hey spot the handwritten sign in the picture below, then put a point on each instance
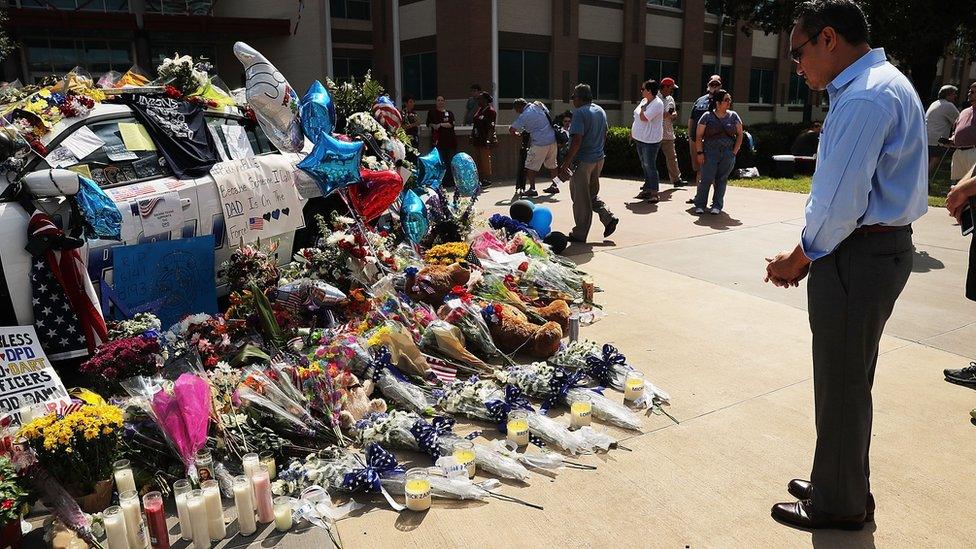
(26, 376)
(161, 214)
(258, 197)
(178, 275)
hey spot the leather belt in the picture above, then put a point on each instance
(871, 229)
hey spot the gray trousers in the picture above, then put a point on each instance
(584, 189)
(851, 294)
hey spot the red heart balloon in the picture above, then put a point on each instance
(374, 194)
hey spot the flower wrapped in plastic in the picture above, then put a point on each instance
(486, 400)
(394, 386)
(303, 425)
(607, 367)
(461, 310)
(408, 431)
(405, 353)
(556, 385)
(446, 339)
(548, 280)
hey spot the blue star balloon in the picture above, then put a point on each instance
(465, 174)
(413, 217)
(431, 170)
(317, 112)
(333, 164)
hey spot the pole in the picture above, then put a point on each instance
(397, 62)
(718, 47)
(494, 49)
(328, 37)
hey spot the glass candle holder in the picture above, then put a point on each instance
(152, 502)
(633, 386)
(261, 483)
(417, 489)
(244, 501)
(250, 463)
(181, 490)
(205, 466)
(267, 458)
(135, 526)
(282, 513)
(581, 411)
(124, 479)
(464, 454)
(518, 428)
(215, 509)
(198, 518)
(115, 528)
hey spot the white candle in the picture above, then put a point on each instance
(124, 480)
(282, 513)
(268, 459)
(634, 386)
(215, 509)
(262, 494)
(198, 518)
(115, 528)
(244, 500)
(182, 489)
(417, 489)
(250, 462)
(135, 526)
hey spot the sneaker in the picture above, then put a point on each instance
(698, 211)
(551, 189)
(531, 193)
(964, 376)
(610, 227)
(485, 184)
(715, 211)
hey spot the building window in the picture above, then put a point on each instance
(199, 52)
(420, 75)
(344, 70)
(350, 9)
(726, 74)
(799, 92)
(49, 56)
(523, 74)
(761, 83)
(665, 3)
(180, 7)
(83, 5)
(602, 73)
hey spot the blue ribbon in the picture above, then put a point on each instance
(498, 410)
(383, 360)
(601, 368)
(427, 434)
(560, 384)
(379, 462)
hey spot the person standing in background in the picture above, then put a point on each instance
(700, 107)
(441, 122)
(471, 107)
(533, 118)
(667, 142)
(964, 139)
(647, 131)
(939, 119)
(484, 138)
(561, 127)
(411, 122)
(719, 136)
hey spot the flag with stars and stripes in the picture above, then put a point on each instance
(57, 325)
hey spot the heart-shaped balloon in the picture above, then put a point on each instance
(333, 164)
(413, 217)
(374, 194)
(431, 170)
(318, 114)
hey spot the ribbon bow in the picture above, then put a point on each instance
(601, 368)
(382, 359)
(498, 410)
(428, 434)
(560, 384)
(379, 461)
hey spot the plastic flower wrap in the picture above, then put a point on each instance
(462, 310)
(548, 280)
(137, 325)
(446, 339)
(606, 366)
(405, 353)
(394, 386)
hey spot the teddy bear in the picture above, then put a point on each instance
(557, 311)
(432, 283)
(512, 331)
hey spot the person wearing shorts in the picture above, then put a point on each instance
(533, 118)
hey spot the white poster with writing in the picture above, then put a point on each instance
(258, 197)
(26, 375)
(161, 214)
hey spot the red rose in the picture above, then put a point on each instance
(7, 504)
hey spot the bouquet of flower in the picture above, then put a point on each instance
(132, 356)
(394, 386)
(556, 385)
(408, 431)
(251, 264)
(606, 366)
(271, 392)
(183, 73)
(404, 352)
(461, 310)
(139, 324)
(443, 338)
(451, 220)
(212, 337)
(446, 254)
(13, 496)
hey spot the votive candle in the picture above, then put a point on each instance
(417, 489)
(464, 454)
(268, 459)
(244, 500)
(152, 502)
(115, 528)
(262, 494)
(633, 386)
(282, 513)
(198, 518)
(215, 510)
(518, 428)
(580, 411)
(181, 489)
(124, 479)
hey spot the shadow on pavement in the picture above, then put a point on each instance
(720, 222)
(923, 262)
(829, 539)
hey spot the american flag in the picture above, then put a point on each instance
(441, 369)
(57, 325)
(147, 206)
(255, 223)
(386, 112)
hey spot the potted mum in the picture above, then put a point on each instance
(13, 500)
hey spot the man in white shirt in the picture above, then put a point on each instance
(939, 119)
(667, 143)
(647, 132)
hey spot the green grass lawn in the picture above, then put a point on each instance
(801, 184)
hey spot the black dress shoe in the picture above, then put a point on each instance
(610, 227)
(802, 515)
(803, 489)
(577, 240)
(963, 376)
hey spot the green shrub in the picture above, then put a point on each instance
(622, 155)
(771, 139)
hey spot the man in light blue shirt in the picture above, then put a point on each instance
(870, 184)
(534, 118)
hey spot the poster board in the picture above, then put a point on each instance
(26, 375)
(258, 197)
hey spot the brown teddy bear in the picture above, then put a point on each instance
(512, 331)
(557, 311)
(432, 283)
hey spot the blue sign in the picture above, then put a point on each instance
(172, 278)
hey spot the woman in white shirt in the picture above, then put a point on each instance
(647, 132)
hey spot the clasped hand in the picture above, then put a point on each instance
(787, 269)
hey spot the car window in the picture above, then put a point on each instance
(128, 154)
(258, 142)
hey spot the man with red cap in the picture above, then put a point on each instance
(667, 143)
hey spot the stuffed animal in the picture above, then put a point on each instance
(432, 283)
(512, 332)
(557, 311)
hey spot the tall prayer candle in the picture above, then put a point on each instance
(215, 510)
(135, 527)
(198, 518)
(156, 519)
(124, 480)
(250, 462)
(115, 528)
(181, 489)
(244, 500)
(268, 459)
(262, 494)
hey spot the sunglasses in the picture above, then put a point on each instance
(796, 53)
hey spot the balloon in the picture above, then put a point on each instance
(521, 210)
(431, 170)
(333, 164)
(557, 241)
(274, 101)
(317, 112)
(386, 113)
(374, 194)
(465, 174)
(542, 221)
(413, 217)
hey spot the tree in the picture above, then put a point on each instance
(6, 45)
(916, 33)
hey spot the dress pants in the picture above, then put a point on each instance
(851, 293)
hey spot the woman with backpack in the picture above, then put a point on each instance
(719, 136)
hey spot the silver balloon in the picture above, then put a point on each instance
(274, 101)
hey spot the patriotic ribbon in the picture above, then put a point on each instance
(428, 434)
(379, 462)
(560, 384)
(601, 368)
(498, 410)
(383, 360)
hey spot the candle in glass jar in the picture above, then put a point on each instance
(198, 518)
(518, 428)
(268, 459)
(633, 386)
(205, 465)
(464, 454)
(215, 510)
(282, 513)
(580, 411)
(156, 520)
(115, 528)
(135, 527)
(262, 494)
(181, 489)
(124, 480)
(244, 500)
(417, 489)
(250, 464)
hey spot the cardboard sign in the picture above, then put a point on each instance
(26, 376)
(258, 197)
(160, 214)
(178, 275)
